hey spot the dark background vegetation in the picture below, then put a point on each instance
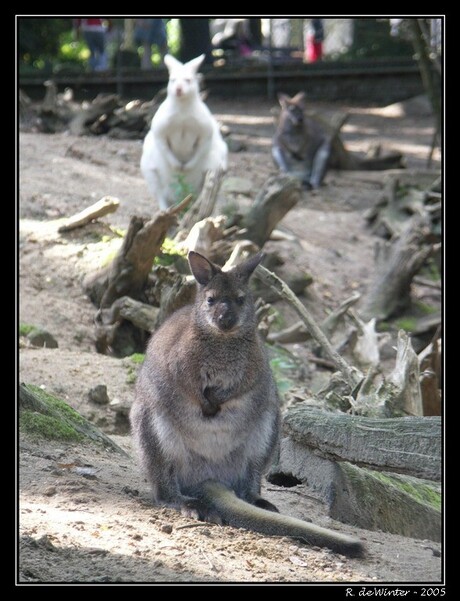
(48, 44)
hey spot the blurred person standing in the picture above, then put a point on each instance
(314, 41)
(94, 32)
(148, 32)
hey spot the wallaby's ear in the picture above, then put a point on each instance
(245, 270)
(202, 269)
(283, 99)
(171, 62)
(299, 99)
(195, 63)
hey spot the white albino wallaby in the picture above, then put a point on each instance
(184, 140)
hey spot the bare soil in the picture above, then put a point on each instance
(97, 525)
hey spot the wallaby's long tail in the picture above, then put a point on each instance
(240, 514)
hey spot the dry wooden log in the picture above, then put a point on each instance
(141, 315)
(173, 291)
(104, 206)
(375, 443)
(278, 196)
(202, 236)
(398, 394)
(204, 204)
(400, 199)
(431, 376)
(298, 332)
(396, 265)
(127, 275)
(102, 105)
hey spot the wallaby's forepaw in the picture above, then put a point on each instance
(197, 510)
(264, 504)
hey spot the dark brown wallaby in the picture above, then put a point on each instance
(206, 416)
(302, 143)
(300, 139)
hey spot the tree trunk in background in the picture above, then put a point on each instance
(255, 28)
(429, 69)
(195, 39)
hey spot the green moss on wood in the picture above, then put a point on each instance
(47, 426)
(56, 404)
(420, 490)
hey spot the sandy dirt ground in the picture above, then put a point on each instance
(84, 513)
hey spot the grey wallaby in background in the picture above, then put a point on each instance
(300, 142)
(206, 417)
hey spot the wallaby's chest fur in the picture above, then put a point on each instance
(183, 130)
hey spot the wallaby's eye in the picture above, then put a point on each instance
(240, 300)
(210, 300)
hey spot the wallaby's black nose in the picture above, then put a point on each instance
(226, 320)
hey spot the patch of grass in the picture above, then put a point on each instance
(137, 359)
(284, 367)
(169, 253)
(406, 323)
(431, 270)
(25, 329)
(181, 188)
(424, 308)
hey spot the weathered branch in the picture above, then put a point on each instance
(351, 374)
(278, 196)
(104, 206)
(128, 272)
(204, 204)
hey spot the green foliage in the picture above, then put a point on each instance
(284, 367)
(173, 34)
(372, 39)
(137, 359)
(39, 39)
(25, 329)
(431, 270)
(424, 308)
(406, 323)
(169, 253)
(181, 188)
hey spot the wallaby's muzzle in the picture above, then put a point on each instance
(226, 318)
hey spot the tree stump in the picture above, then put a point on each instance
(397, 263)
(278, 196)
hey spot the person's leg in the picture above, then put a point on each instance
(146, 61)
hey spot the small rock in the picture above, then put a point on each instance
(98, 395)
(50, 491)
(166, 528)
(42, 338)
